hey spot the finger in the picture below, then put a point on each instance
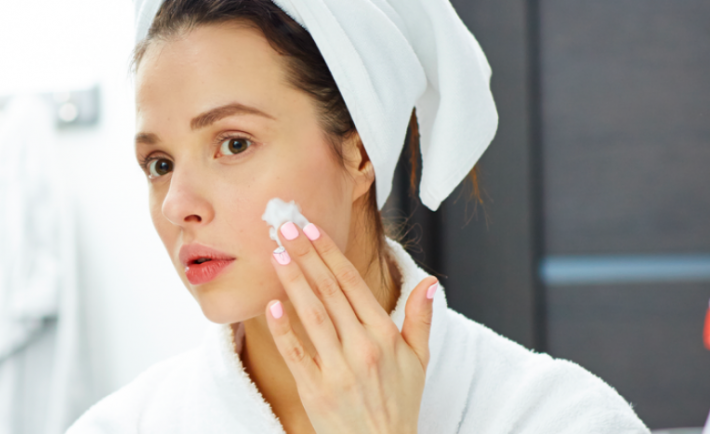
(310, 310)
(322, 280)
(417, 318)
(298, 360)
(360, 296)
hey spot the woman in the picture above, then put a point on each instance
(241, 101)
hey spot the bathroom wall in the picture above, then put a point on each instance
(138, 312)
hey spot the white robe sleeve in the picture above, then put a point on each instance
(515, 390)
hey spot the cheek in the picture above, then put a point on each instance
(324, 194)
(305, 172)
(319, 193)
(244, 292)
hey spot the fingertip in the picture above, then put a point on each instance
(281, 256)
(311, 231)
(418, 318)
(431, 291)
(276, 309)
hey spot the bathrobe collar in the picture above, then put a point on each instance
(476, 381)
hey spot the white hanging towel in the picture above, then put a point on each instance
(41, 378)
(477, 382)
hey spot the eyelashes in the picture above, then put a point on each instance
(158, 164)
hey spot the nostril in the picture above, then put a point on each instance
(193, 218)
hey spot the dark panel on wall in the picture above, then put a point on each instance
(488, 252)
(626, 125)
(643, 339)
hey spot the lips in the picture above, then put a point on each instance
(202, 263)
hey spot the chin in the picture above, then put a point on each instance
(231, 302)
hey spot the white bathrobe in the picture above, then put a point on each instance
(477, 382)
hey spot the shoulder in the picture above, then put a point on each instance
(515, 389)
(121, 411)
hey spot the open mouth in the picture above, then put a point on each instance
(202, 263)
(203, 270)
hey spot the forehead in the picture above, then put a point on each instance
(206, 66)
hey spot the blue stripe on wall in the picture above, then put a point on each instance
(583, 270)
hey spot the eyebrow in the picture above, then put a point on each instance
(208, 118)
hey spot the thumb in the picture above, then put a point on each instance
(417, 318)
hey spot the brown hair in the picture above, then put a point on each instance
(306, 70)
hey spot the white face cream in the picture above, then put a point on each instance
(279, 212)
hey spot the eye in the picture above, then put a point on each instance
(234, 145)
(159, 167)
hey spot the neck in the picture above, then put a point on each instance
(264, 363)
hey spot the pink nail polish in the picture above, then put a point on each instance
(277, 310)
(282, 256)
(432, 290)
(289, 230)
(311, 231)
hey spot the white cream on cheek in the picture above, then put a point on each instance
(279, 212)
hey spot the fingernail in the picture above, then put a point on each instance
(311, 231)
(432, 290)
(282, 256)
(289, 230)
(277, 310)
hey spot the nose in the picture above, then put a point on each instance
(186, 204)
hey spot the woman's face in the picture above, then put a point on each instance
(211, 173)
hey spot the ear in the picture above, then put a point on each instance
(358, 166)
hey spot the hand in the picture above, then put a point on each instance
(366, 377)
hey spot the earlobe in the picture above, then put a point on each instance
(363, 171)
(368, 171)
(364, 180)
(364, 167)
